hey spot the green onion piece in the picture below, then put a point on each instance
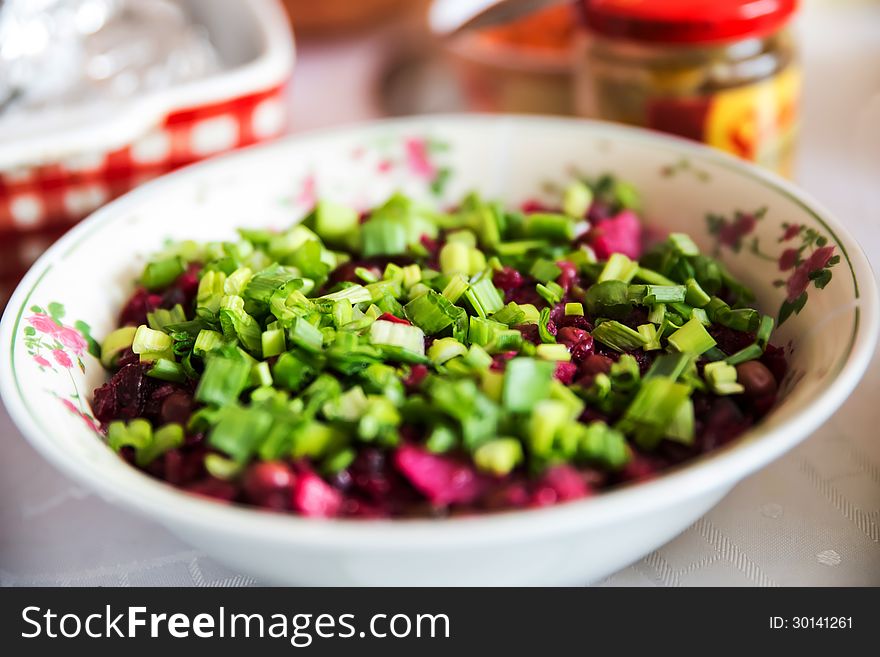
(577, 199)
(240, 431)
(692, 338)
(618, 268)
(483, 296)
(477, 358)
(483, 331)
(752, 352)
(223, 381)
(618, 336)
(505, 340)
(162, 273)
(292, 372)
(554, 352)
(221, 467)
(146, 340)
(305, 335)
(138, 433)
(721, 378)
(412, 274)
(261, 375)
(442, 439)
(608, 299)
(532, 315)
(366, 275)
(381, 236)
(649, 333)
(348, 407)
(765, 329)
(339, 461)
(696, 296)
(265, 283)
(163, 440)
(512, 314)
(455, 258)
(236, 323)
(161, 318)
(681, 429)
(526, 381)
(657, 313)
(463, 236)
(652, 277)
(477, 262)
(669, 366)
(343, 313)
(544, 424)
(653, 410)
(115, 343)
(520, 247)
(457, 285)
(543, 327)
(354, 294)
(545, 270)
(574, 309)
(552, 293)
(601, 444)
(380, 421)
(207, 341)
(431, 312)
(408, 338)
(499, 457)
(335, 223)
(273, 343)
(650, 295)
(740, 319)
(682, 244)
(237, 281)
(167, 370)
(446, 349)
(553, 227)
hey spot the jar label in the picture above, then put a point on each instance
(757, 122)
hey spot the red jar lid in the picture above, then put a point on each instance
(687, 21)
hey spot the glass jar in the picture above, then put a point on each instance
(723, 72)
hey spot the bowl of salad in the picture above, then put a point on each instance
(446, 350)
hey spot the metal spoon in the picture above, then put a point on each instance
(466, 15)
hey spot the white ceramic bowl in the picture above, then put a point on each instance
(46, 376)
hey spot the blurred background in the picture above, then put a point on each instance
(98, 96)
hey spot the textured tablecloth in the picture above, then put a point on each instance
(811, 518)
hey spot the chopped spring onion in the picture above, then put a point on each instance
(483, 296)
(618, 268)
(692, 338)
(408, 338)
(148, 341)
(115, 343)
(499, 457)
(545, 270)
(446, 349)
(555, 352)
(553, 227)
(161, 273)
(618, 336)
(721, 378)
(577, 199)
(608, 299)
(696, 296)
(574, 309)
(526, 382)
(653, 410)
(223, 381)
(544, 327)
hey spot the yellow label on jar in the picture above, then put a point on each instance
(757, 122)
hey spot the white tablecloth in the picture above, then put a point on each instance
(812, 518)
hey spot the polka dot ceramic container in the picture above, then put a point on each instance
(806, 270)
(61, 174)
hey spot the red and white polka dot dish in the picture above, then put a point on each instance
(52, 178)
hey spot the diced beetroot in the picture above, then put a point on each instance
(431, 245)
(176, 407)
(566, 482)
(417, 374)
(441, 479)
(269, 484)
(565, 372)
(122, 397)
(568, 276)
(774, 360)
(570, 336)
(507, 279)
(730, 341)
(534, 205)
(314, 497)
(639, 468)
(216, 489)
(620, 234)
(499, 361)
(576, 321)
(135, 311)
(388, 317)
